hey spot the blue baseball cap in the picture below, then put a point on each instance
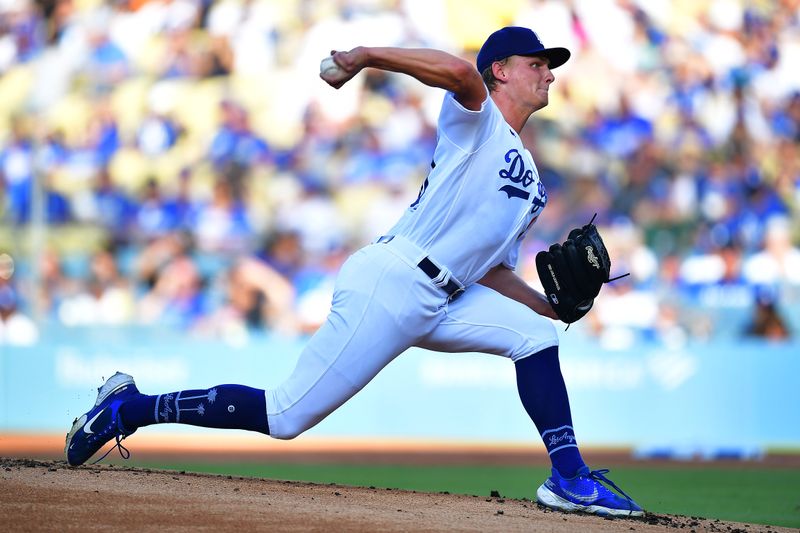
(517, 41)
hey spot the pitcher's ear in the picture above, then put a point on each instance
(498, 69)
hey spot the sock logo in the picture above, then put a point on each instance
(173, 404)
(555, 440)
(166, 411)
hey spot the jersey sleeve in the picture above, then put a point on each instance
(512, 257)
(465, 128)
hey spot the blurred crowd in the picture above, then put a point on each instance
(179, 162)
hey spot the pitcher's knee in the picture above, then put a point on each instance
(539, 337)
(285, 435)
(289, 424)
(286, 431)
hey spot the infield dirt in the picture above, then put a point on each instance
(49, 496)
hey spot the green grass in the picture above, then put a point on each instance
(762, 496)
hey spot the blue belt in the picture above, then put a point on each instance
(453, 289)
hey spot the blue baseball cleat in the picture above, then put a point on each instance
(586, 493)
(101, 424)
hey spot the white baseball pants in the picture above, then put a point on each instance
(382, 305)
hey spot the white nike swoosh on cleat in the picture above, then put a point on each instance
(87, 428)
(586, 499)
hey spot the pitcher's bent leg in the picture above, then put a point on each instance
(485, 321)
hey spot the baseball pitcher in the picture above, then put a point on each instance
(442, 278)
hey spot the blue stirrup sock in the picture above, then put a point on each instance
(223, 406)
(544, 395)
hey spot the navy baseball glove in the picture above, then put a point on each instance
(572, 273)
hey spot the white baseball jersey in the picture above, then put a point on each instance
(481, 196)
(474, 209)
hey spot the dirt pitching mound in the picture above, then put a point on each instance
(48, 495)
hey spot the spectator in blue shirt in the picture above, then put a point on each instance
(234, 141)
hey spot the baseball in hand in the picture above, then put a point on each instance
(330, 71)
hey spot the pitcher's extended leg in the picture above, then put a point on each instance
(369, 325)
